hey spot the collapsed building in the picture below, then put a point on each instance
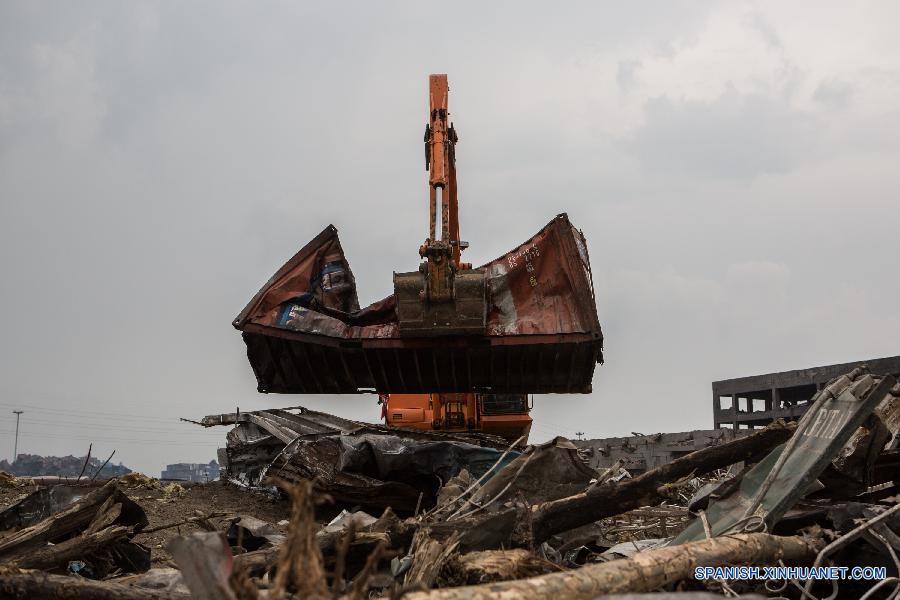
(536, 522)
(739, 405)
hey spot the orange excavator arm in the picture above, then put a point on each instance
(440, 161)
(445, 296)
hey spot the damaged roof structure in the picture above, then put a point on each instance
(369, 465)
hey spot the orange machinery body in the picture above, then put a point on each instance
(504, 415)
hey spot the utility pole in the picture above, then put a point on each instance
(579, 434)
(18, 413)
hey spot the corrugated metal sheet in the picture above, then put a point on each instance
(770, 488)
(305, 333)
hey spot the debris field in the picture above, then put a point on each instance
(313, 506)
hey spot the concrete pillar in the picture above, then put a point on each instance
(734, 411)
(716, 408)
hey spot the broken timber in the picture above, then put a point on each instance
(522, 526)
(45, 585)
(645, 572)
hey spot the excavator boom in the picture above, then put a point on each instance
(444, 297)
(440, 161)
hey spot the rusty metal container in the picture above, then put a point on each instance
(305, 332)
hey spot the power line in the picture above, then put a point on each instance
(130, 440)
(99, 413)
(178, 427)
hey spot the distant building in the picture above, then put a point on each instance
(34, 465)
(199, 472)
(756, 401)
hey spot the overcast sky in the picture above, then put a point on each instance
(733, 165)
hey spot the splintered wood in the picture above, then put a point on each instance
(300, 560)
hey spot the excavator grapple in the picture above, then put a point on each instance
(523, 323)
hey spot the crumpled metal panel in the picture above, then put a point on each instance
(305, 333)
(838, 411)
(354, 462)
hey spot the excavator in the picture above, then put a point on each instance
(454, 348)
(447, 294)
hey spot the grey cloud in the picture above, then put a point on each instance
(626, 74)
(834, 93)
(159, 162)
(757, 22)
(736, 136)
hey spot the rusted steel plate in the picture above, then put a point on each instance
(305, 332)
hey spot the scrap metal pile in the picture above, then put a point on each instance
(490, 521)
(370, 465)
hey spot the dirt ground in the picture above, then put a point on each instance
(207, 497)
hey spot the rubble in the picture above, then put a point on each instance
(135, 479)
(778, 481)
(638, 453)
(96, 529)
(8, 480)
(492, 522)
(357, 463)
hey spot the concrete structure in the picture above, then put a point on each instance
(198, 472)
(754, 402)
(640, 453)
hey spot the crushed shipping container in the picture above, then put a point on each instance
(305, 332)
